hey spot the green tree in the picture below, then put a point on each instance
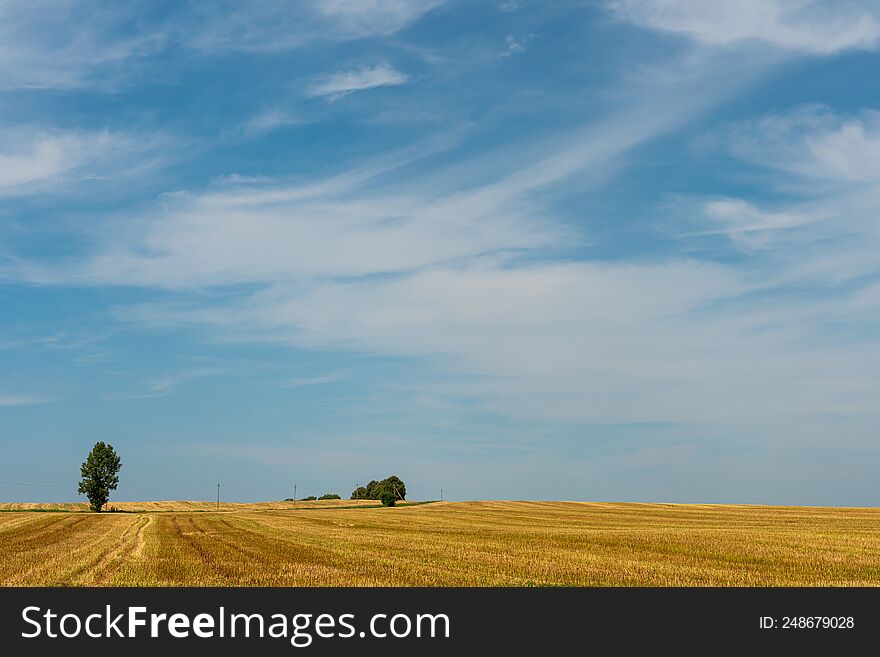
(100, 475)
(359, 493)
(329, 496)
(388, 498)
(397, 487)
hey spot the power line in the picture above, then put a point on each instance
(34, 484)
(159, 489)
(155, 489)
(134, 487)
(257, 490)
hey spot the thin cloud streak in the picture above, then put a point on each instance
(22, 400)
(824, 27)
(62, 44)
(341, 84)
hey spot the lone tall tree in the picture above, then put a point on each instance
(100, 475)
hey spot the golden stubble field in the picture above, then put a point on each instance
(444, 544)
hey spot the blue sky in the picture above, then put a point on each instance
(583, 250)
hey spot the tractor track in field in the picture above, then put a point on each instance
(217, 538)
(130, 544)
(14, 522)
(43, 540)
(263, 536)
(189, 538)
(39, 536)
(104, 556)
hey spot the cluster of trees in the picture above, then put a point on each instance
(389, 491)
(312, 498)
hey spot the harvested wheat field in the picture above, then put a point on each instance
(447, 544)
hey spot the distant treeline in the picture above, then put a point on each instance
(312, 498)
(388, 491)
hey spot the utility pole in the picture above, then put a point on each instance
(441, 494)
(218, 496)
(294, 496)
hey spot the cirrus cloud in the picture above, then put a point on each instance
(337, 85)
(821, 27)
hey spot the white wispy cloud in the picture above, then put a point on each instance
(313, 381)
(269, 25)
(812, 224)
(34, 158)
(268, 120)
(359, 18)
(448, 270)
(516, 45)
(585, 342)
(342, 83)
(240, 179)
(70, 44)
(31, 155)
(164, 386)
(357, 223)
(820, 27)
(676, 340)
(64, 43)
(828, 162)
(44, 157)
(748, 226)
(815, 142)
(22, 400)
